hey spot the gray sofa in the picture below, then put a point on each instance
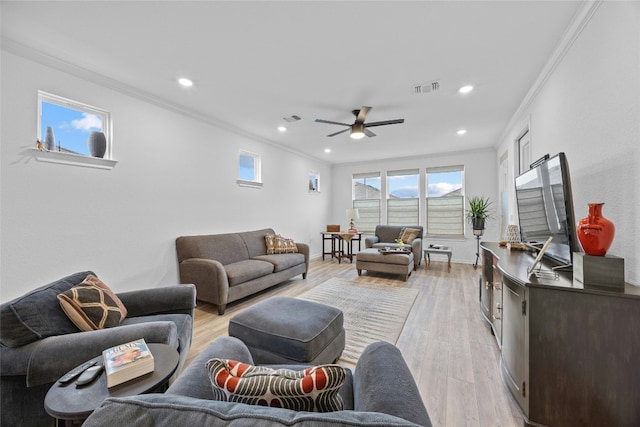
(228, 267)
(39, 343)
(386, 235)
(381, 392)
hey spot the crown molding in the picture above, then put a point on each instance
(31, 53)
(571, 34)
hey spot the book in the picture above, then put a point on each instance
(127, 361)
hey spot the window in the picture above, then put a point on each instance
(403, 197)
(366, 198)
(524, 150)
(249, 173)
(64, 125)
(314, 182)
(445, 201)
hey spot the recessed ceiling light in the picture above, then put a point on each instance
(327, 150)
(282, 128)
(185, 82)
(461, 131)
(465, 89)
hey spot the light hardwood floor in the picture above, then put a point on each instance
(445, 341)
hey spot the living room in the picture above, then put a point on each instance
(176, 172)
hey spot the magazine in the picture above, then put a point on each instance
(127, 361)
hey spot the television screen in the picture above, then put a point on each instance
(545, 209)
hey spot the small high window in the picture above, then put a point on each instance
(249, 169)
(68, 126)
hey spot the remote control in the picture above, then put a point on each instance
(69, 376)
(89, 375)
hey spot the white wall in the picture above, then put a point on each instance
(175, 176)
(589, 107)
(480, 176)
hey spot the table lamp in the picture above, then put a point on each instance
(352, 214)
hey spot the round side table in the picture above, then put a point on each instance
(68, 402)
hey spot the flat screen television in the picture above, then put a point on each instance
(545, 209)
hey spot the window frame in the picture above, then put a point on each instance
(365, 211)
(444, 169)
(416, 200)
(68, 157)
(256, 182)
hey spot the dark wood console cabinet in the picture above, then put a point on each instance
(570, 354)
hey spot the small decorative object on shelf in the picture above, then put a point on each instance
(513, 234)
(39, 145)
(49, 139)
(595, 232)
(97, 144)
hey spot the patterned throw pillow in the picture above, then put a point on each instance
(91, 305)
(408, 235)
(313, 389)
(276, 244)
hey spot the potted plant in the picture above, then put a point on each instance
(479, 211)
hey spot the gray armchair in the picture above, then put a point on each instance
(39, 343)
(380, 392)
(386, 235)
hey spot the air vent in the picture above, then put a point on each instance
(428, 87)
(291, 118)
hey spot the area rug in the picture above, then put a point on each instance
(371, 312)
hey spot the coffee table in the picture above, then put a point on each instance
(440, 250)
(68, 402)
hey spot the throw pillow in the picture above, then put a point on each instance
(313, 389)
(276, 244)
(91, 305)
(408, 235)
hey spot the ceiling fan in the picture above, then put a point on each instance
(359, 128)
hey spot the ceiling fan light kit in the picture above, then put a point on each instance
(357, 131)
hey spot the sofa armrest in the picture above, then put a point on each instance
(416, 247)
(303, 248)
(194, 381)
(369, 241)
(209, 277)
(179, 299)
(54, 356)
(383, 383)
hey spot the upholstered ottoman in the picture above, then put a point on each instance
(396, 263)
(290, 330)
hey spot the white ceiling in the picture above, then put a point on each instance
(254, 62)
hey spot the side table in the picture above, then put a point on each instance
(68, 402)
(442, 250)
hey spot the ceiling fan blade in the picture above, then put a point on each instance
(339, 132)
(384, 122)
(331, 123)
(369, 133)
(362, 114)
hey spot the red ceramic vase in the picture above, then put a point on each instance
(595, 232)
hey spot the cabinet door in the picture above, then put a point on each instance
(513, 341)
(486, 285)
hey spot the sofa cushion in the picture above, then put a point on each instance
(226, 248)
(243, 271)
(282, 261)
(165, 410)
(91, 308)
(37, 314)
(254, 241)
(408, 235)
(276, 244)
(313, 389)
